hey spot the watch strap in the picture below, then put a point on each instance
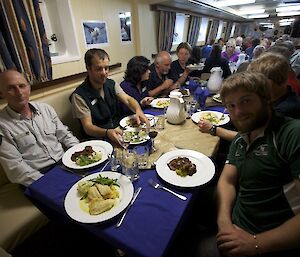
(213, 130)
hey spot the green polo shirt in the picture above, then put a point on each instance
(266, 168)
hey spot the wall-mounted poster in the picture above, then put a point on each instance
(95, 33)
(125, 25)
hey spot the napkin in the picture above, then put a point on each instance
(193, 85)
(200, 96)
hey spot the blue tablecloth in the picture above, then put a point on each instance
(148, 227)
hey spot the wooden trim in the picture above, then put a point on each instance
(69, 78)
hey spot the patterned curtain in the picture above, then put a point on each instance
(228, 31)
(23, 41)
(213, 31)
(166, 30)
(194, 30)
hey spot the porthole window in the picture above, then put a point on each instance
(60, 30)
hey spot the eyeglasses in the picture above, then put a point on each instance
(229, 46)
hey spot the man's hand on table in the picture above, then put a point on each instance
(114, 135)
(142, 118)
(146, 101)
(204, 126)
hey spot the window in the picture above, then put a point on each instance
(220, 29)
(179, 29)
(203, 29)
(232, 30)
(60, 30)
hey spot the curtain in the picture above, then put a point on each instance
(194, 30)
(23, 41)
(166, 30)
(212, 34)
(228, 31)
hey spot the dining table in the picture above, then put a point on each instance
(156, 216)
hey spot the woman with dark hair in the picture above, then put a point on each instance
(136, 74)
(216, 60)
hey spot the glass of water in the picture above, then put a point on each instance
(142, 154)
(115, 159)
(130, 165)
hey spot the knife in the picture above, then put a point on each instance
(128, 207)
(104, 166)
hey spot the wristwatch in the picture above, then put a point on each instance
(213, 130)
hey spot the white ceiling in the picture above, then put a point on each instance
(269, 5)
(207, 7)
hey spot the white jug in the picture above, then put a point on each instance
(242, 58)
(175, 112)
(215, 80)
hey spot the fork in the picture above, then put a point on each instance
(222, 116)
(158, 186)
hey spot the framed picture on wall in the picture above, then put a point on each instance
(95, 33)
(125, 26)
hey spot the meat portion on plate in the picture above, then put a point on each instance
(183, 166)
(86, 156)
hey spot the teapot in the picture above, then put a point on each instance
(215, 80)
(175, 112)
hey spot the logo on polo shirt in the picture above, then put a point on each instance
(261, 150)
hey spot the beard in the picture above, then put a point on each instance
(252, 121)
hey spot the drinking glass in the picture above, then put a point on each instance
(160, 122)
(142, 154)
(115, 159)
(152, 133)
(193, 108)
(130, 165)
(188, 109)
(125, 140)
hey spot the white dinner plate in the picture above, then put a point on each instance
(155, 102)
(180, 90)
(72, 200)
(217, 98)
(199, 66)
(137, 130)
(98, 146)
(123, 122)
(197, 115)
(205, 168)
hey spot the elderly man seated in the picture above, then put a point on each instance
(160, 82)
(32, 138)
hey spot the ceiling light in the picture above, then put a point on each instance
(251, 11)
(287, 20)
(257, 16)
(265, 23)
(289, 8)
(283, 24)
(232, 2)
(288, 13)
